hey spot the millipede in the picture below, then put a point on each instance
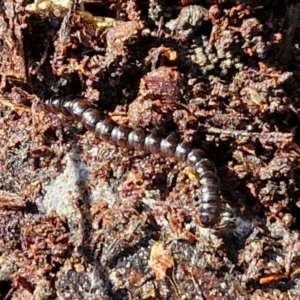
(138, 139)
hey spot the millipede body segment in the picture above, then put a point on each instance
(137, 139)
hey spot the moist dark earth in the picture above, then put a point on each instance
(83, 219)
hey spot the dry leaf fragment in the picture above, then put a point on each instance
(160, 261)
(11, 200)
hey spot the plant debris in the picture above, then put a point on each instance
(83, 219)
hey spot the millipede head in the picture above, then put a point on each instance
(207, 217)
(209, 205)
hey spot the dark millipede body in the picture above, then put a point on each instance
(137, 139)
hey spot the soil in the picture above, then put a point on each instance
(83, 219)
